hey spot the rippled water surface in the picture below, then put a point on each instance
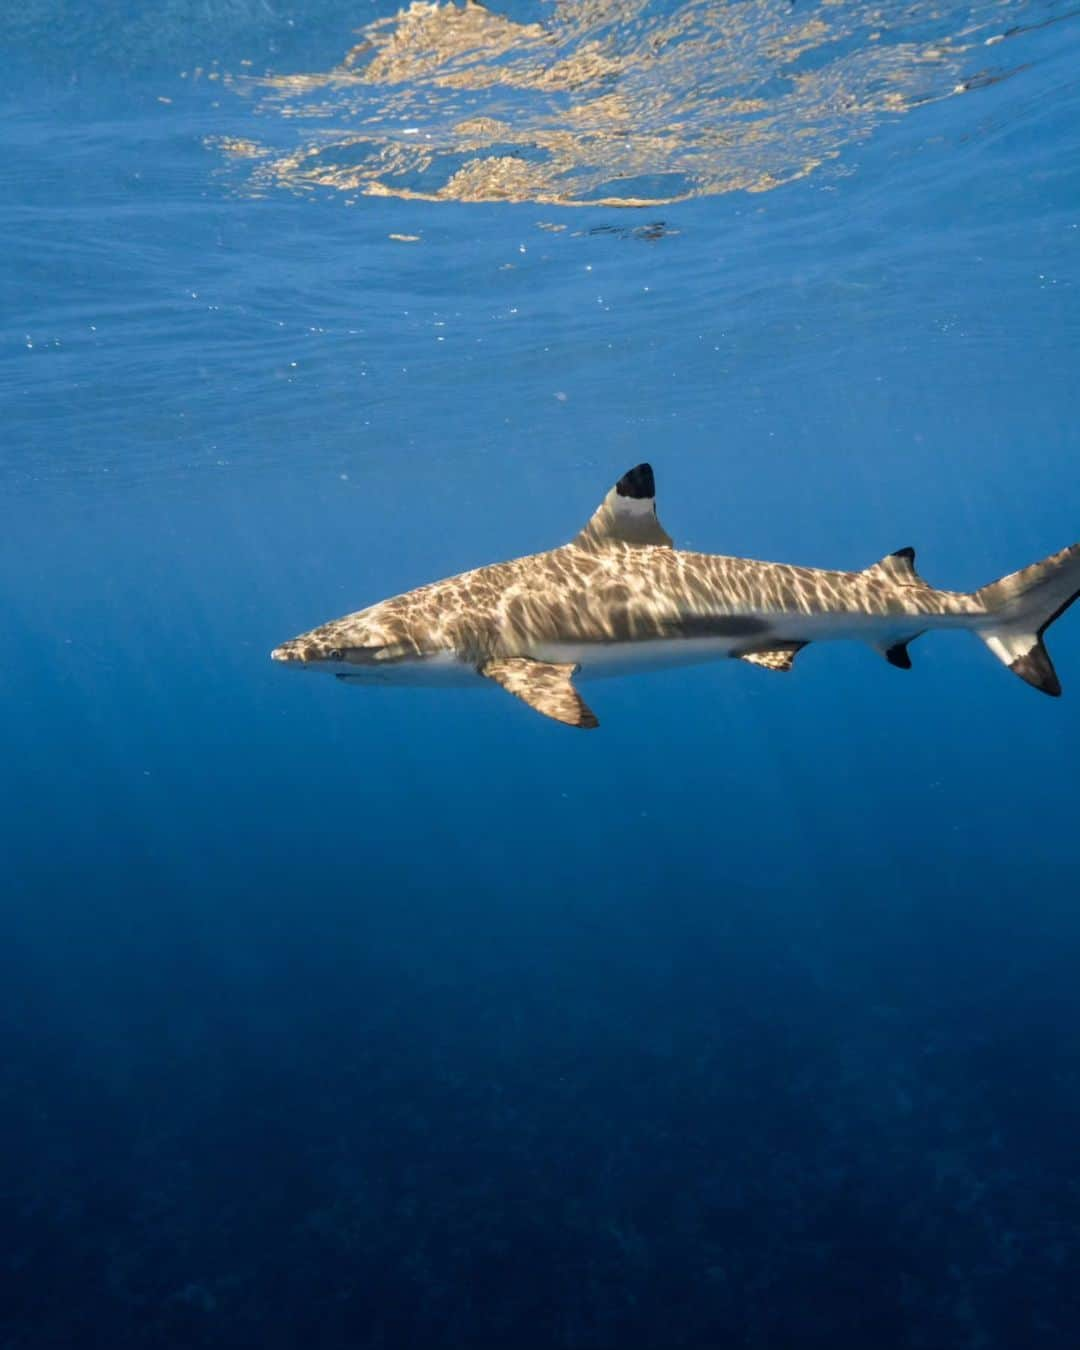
(385, 1018)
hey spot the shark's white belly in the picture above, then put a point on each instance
(599, 659)
(595, 660)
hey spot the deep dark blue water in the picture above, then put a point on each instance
(390, 1018)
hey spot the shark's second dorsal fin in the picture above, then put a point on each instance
(898, 567)
(627, 515)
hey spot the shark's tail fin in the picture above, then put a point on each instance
(1022, 606)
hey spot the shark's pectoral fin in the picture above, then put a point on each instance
(779, 657)
(544, 686)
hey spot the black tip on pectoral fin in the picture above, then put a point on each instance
(637, 482)
(1036, 668)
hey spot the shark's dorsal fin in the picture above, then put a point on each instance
(627, 515)
(544, 686)
(898, 567)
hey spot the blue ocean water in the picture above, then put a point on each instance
(385, 1018)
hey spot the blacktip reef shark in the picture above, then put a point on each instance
(620, 597)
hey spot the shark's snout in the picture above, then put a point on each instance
(291, 652)
(305, 651)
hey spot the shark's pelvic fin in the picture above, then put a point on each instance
(898, 567)
(776, 658)
(544, 686)
(627, 515)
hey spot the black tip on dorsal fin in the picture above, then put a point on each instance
(627, 515)
(898, 567)
(637, 482)
(897, 654)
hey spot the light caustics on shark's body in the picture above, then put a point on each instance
(620, 597)
(608, 102)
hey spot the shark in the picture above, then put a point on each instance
(620, 597)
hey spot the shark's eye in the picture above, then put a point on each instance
(336, 654)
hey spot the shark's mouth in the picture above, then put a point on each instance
(608, 102)
(354, 663)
